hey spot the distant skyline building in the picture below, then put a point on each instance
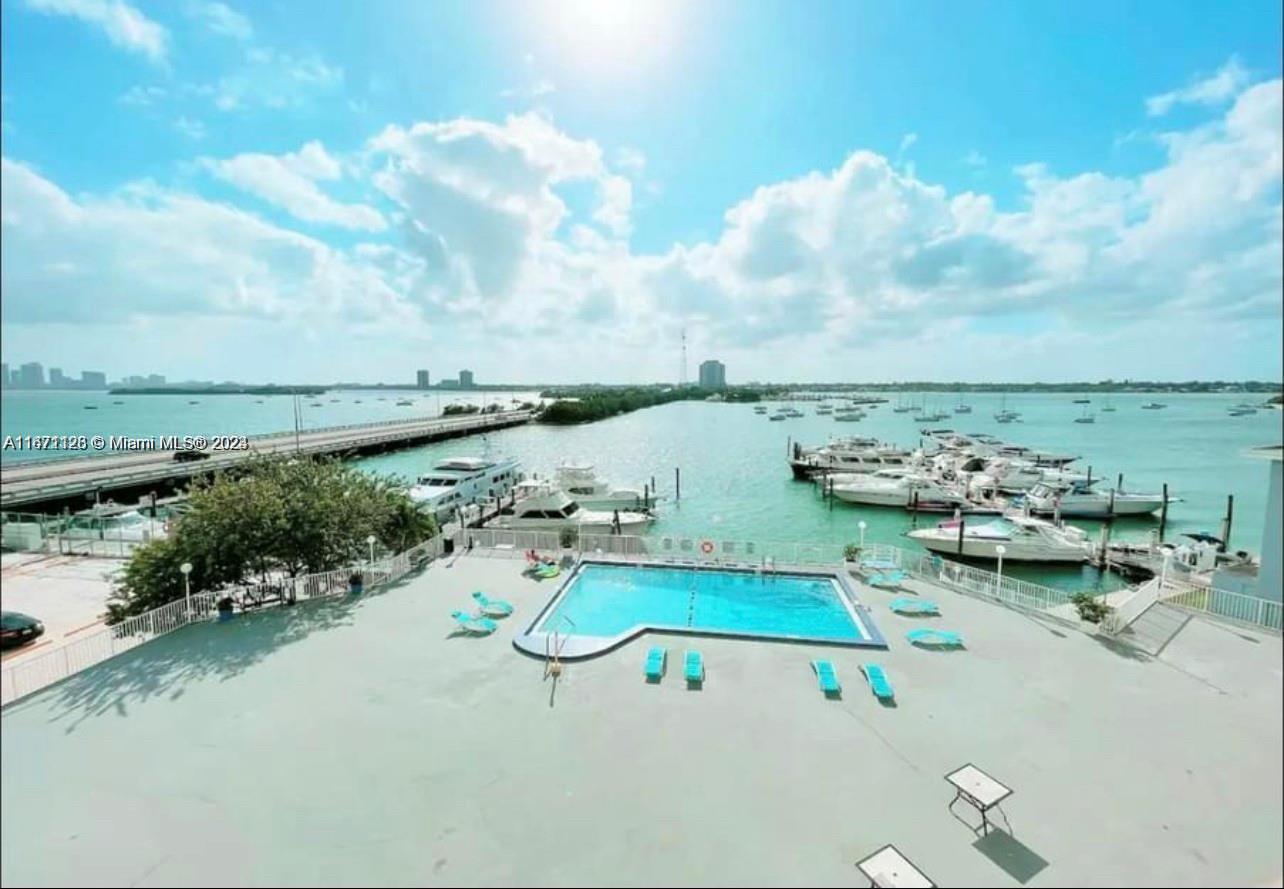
(57, 380)
(713, 375)
(421, 379)
(31, 375)
(93, 379)
(4, 375)
(156, 379)
(465, 379)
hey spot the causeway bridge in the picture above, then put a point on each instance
(42, 485)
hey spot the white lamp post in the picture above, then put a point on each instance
(1163, 574)
(861, 525)
(1000, 550)
(186, 568)
(371, 540)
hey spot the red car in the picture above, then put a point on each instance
(18, 629)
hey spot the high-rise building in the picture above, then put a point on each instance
(135, 381)
(31, 376)
(93, 379)
(421, 379)
(156, 379)
(4, 375)
(713, 375)
(465, 379)
(56, 379)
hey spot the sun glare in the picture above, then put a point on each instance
(611, 34)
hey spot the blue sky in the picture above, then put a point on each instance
(552, 191)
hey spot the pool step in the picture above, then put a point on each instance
(691, 607)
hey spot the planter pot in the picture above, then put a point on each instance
(852, 568)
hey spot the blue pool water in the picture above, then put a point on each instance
(607, 600)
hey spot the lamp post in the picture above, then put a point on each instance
(999, 551)
(371, 540)
(861, 525)
(1163, 574)
(186, 568)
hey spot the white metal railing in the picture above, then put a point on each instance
(985, 584)
(1263, 614)
(32, 673)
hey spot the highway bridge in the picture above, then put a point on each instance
(43, 485)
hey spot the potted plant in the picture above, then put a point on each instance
(356, 583)
(1090, 608)
(851, 558)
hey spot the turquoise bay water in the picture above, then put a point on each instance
(736, 484)
(605, 600)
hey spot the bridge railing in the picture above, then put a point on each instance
(27, 674)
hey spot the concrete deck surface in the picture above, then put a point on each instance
(360, 742)
(68, 594)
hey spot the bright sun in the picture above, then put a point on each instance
(610, 34)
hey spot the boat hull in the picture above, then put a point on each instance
(974, 548)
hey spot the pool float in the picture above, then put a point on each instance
(546, 572)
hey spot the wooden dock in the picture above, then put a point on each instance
(41, 485)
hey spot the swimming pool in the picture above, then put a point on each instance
(611, 602)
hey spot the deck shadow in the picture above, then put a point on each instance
(1010, 855)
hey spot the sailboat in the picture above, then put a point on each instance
(1004, 415)
(1108, 408)
(1086, 418)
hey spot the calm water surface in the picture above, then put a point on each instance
(736, 484)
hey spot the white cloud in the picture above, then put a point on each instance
(631, 159)
(861, 268)
(142, 96)
(190, 127)
(289, 181)
(123, 24)
(273, 79)
(1213, 90)
(221, 19)
(974, 159)
(907, 142)
(531, 91)
(146, 251)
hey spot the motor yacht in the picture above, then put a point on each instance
(1081, 500)
(580, 482)
(1024, 539)
(460, 481)
(542, 506)
(898, 488)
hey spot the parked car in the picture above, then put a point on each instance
(18, 629)
(189, 455)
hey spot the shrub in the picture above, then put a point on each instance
(1090, 608)
(569, 537)
(851, 552)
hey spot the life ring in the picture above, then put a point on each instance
(706, 547)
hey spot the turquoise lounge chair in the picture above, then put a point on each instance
(695, 668)
(655, 659)
(878, 683)
(914, 606)
(886, 579)
(827, 678)
(492, 607)
(478, 626)
(934, 637)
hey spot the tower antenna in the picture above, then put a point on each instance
(684, 357)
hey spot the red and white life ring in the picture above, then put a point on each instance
(706, 547)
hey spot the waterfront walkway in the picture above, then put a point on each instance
(362, 741)
(44, 482)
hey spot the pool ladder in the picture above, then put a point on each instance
(691, 606)
(553, 651)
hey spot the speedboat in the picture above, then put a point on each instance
(460, 481)
(898, 489)
(1153, 406)
(962, 408)
(1081, 500)
(1024, 539)
(778, 417)
(580, 482)
(541, 506)
(759, 408)
(849, 416)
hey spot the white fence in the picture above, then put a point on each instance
(1262, 614)
(31, 673)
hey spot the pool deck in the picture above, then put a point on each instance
(364, 742)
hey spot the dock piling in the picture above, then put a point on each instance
(1226, 523)
(1163, 514)
(962, 523)
(677, 484)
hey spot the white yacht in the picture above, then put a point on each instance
(849, 416)
(541, 506)
(460, 481)
(130, 525)
(1081, 500)
(580, 482)
(759, 408)
(1009, 476)
(1023, 539)
(897, 488)
(846, 457)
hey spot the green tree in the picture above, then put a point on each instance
(271, 517)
